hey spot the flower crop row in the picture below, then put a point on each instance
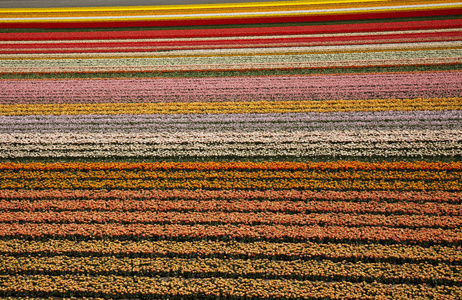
(276, 67)
(387, 121)
(244, 150)
(234, 268)
(287, 44)
(230, 138)
(223, 205)
(240, 165)
(327, 43)
(211, 288)
(229, 231)
(232, 179)
(308, 197)
(404, 184)
(234, 107)
(324, 87)
(230, 32)
(249, 218)
(262, 249)
(240, 57)
(211, 175)
(195, 119)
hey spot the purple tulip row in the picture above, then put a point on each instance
(387, 120)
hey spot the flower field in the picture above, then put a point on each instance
(254, 150)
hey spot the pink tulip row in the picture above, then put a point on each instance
(361, 86)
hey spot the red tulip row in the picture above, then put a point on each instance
(106, 47)
(230, 32)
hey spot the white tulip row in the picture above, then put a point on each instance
(334, 136)
(219, 60)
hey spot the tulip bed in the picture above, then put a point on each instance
(267, 150)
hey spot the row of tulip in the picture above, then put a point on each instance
(368, 252)
(291, 206)
(114, 286)
(354, 27)
(218, 58)
(364, 198)
(238, 165)
(207, 15)
(304, 137)
(408, 66)
(154, 48)
(235, 218)
(229, 107)
(200, 68)
(345, 121)
(237, 66)
(243, 150)
(108, 48)
(239, 232)
(327, 270)
(324, 87)
(25, 124)
(233, 174)
(405, 184)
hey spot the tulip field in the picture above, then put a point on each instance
(246, 150)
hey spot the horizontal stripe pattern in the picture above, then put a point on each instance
(359, 86)
(291, 149)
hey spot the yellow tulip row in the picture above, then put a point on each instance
(202, 288)
(234, 107)
(304, 250)
(256, 268)
(278, 184)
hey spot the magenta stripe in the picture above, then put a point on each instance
(320, 87)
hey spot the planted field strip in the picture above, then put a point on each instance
(267, 150)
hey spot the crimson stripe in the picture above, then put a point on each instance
(205, 47)
(227, 32)
(237, 21)
(374, 38)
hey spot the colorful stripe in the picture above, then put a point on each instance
(289, 149)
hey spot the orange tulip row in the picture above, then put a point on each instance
(211, 288)
(269, 195)
(260, 249)
(230, 231)
(223, 205)
(248, 218)
(334, 165)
